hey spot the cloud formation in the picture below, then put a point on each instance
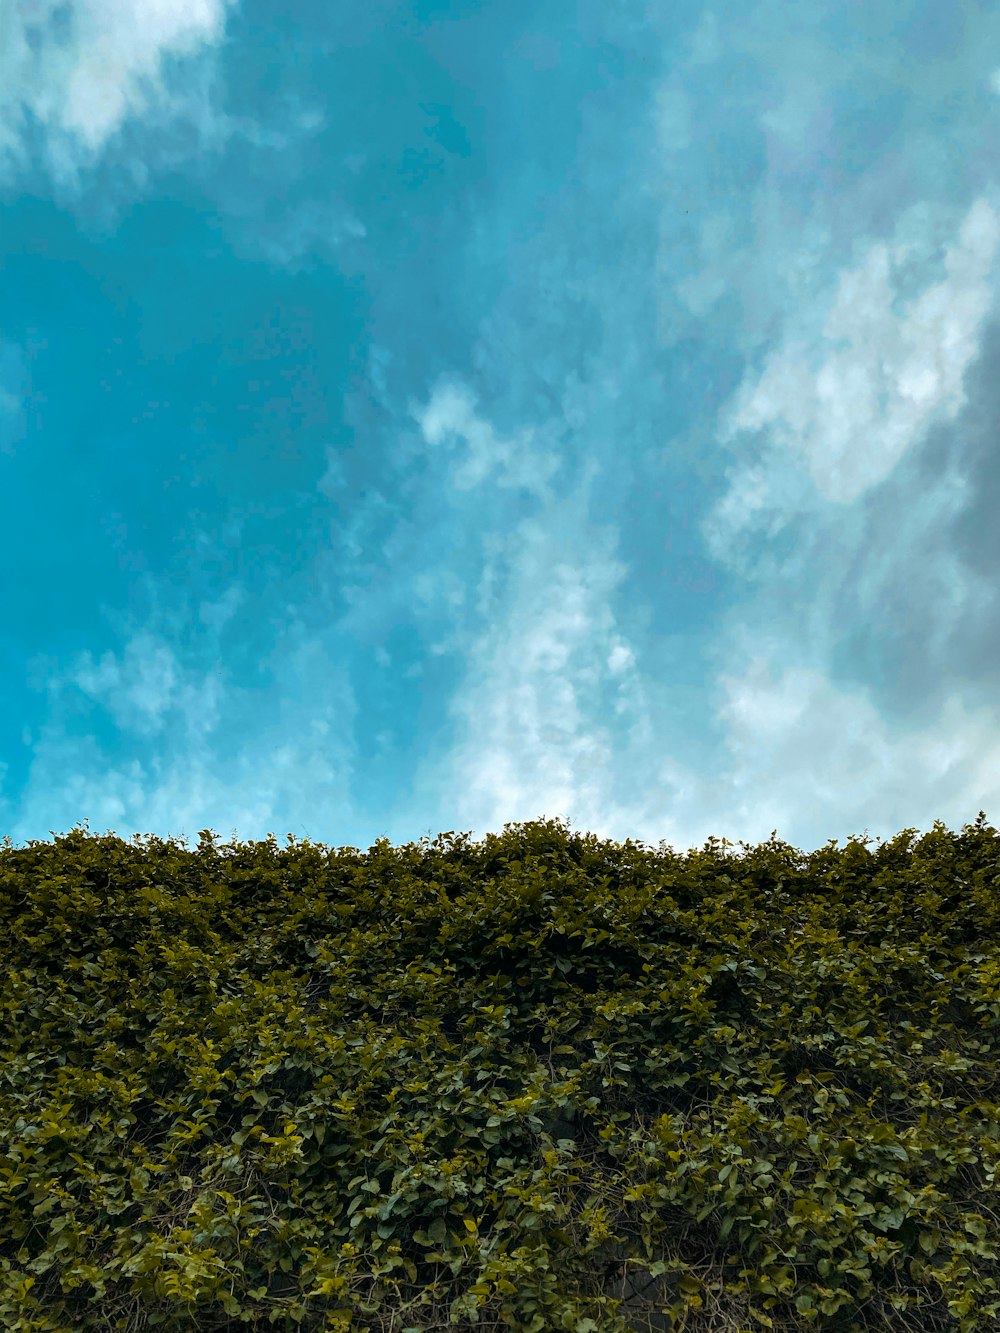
(78, 71)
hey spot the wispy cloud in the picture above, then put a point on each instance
(485, 457)
(211, 757)
(881, 370)
(77, 72)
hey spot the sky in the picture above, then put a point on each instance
(424, 415)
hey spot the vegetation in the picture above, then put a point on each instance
(542, 1082)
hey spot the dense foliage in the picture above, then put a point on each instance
(543, 1082)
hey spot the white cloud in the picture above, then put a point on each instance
(81, 71)
(555, 716)
(539, 738)
(451, 413)
(536, 736)
(144, 685)
(620, 658)
(807, 754)
(850, 400)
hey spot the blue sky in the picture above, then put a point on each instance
(423, 416)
